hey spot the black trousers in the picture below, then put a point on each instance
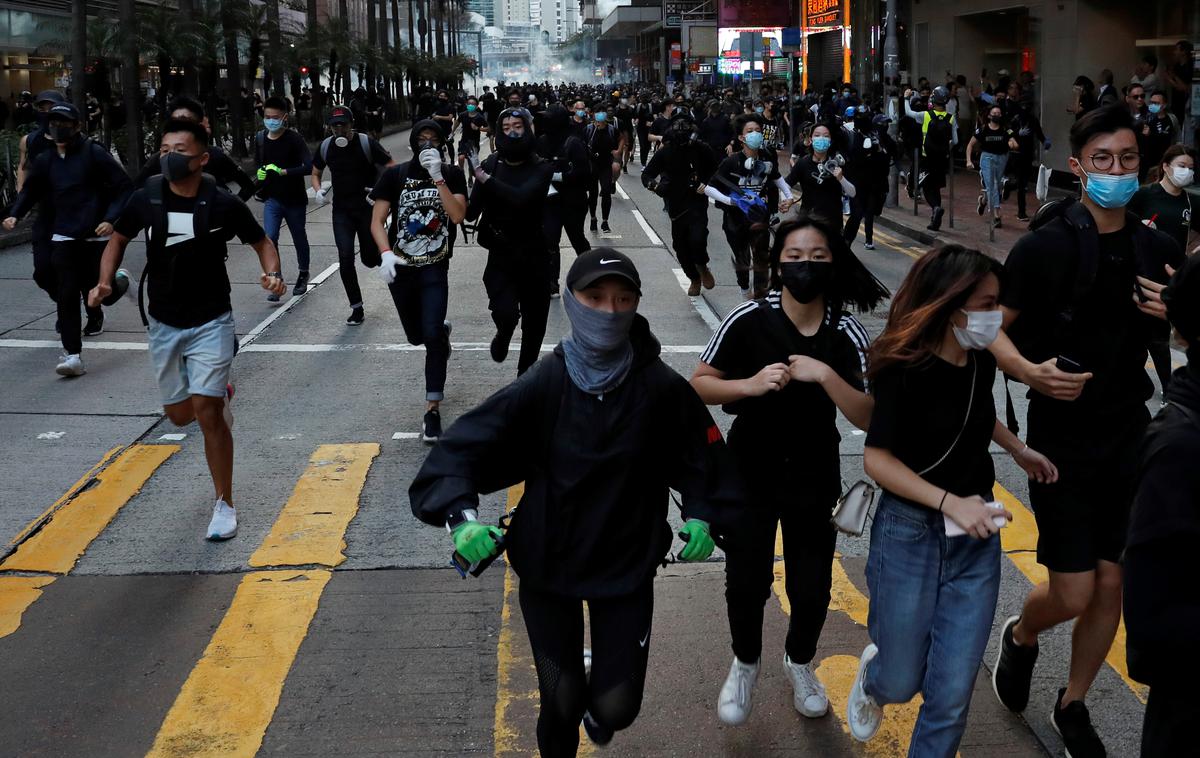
(77, 267)
(566, 213)
(931, 188)
(517, 293)
(751, 251)
(1022, 171)
(601, 187)
(808, 545)
(643, 136)
(349, 223)
(44, 275)
(860, 211)
(421, 295)
(620, 652)
(1169, 724)
(689, 238)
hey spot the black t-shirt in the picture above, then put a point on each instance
(352, 175)
(820, 192)
(993, 141)
(757, 334)
(759, 178)
(423, 228)
(601, 140)
(472, 123)
(187, 284)
(920, 409)
(772, 132)
(1109, 334)
(1171, 214)
(659, 126)
(289, 151)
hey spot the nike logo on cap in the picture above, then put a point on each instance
(609, 260)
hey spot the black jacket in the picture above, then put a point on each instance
(1162, 596)
(682, 168)
(592, 522)
(513, 198)
(83, 188)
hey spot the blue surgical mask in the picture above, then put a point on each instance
(753, 140)
(581, 114)
(1155, 107)
(601, 116)
(758, 109)
(273, 124)
(1108, 191)
(470, 108)
(821, 144)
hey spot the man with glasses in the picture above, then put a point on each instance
(1080, 308)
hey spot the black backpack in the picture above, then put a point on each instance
(938, 135)
(364, 144)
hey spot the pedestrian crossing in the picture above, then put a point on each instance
(227, 702)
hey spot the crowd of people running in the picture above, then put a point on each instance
(601, 429)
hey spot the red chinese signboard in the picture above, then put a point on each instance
(823, 13)
(754, 13)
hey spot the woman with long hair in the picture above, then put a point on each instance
(934, 566)
(994, 140)
(821, 177)
(784, 365)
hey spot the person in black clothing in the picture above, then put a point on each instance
(219, 165)
(591, 525)
(510, 190)
(84, 188)
(716, 130)
(1028, 131)
(747, 185)
(354, 160)
(566, 206)
(283, 163)
(28, 149)
(375, 105)
(1161, 601)
(780, 365)
(1081, 304)
(872, 152)
(427, 199)
(677, 173)
(1160, 130)
(474, 125)
(604, 143)
(190, 326)
(625, 118)
(491, 109)
(821, 175)
(446, 114)
(643, 118)
(662, 122)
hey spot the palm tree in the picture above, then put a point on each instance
(274, 49)
(233, 75)
(129, 84)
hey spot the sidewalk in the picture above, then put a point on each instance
(961, 224)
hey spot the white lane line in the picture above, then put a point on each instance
(406, 435)
(89, 344)
(294, 347)
(621, 191)
(51, 435)
(654, 238)
(174, 437)
(254, 333)
(699, 303)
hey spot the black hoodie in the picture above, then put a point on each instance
(592, 522)
(83, 187)
(1162, 594)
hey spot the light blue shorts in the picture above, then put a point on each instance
(192, 361)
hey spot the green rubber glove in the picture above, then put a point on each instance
(273, 167)
(262, 174)
(699, 543)
(475, 541)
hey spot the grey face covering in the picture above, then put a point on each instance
(598, 351)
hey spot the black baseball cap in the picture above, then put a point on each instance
(598, 263)
(49, 96)
(340, 115)
(65, 111)
(1182, 298)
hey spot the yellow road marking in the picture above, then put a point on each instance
(17, 593)
(898, 246)
(312, 525)
(56, 547)
(230, 696)
(1019, 542)
(66, 496)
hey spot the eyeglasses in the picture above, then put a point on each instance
(1104, 161)
(1139, 97)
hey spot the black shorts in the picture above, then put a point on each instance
(1083, 517)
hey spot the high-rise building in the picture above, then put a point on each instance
(485, 8)
(512, 13)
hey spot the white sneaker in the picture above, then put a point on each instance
(70, 365)
(224, 522)
(862, 713)
(734, 704)
(808, 692)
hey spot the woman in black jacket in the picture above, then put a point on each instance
(598, 430)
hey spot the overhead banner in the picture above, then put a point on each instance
(747, 13)
(823, 14)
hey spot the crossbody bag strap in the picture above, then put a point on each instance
(967, 418)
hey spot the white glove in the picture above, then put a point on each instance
(557, 177)
(387, 268)
(431, 161)
(319, 197)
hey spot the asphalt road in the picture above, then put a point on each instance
(332, 625)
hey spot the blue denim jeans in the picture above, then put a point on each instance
(991, 168)
(932, 602)
(274, 214)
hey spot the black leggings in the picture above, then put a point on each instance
(601, 186)
(1022, 168)
(808, 544)
(517, 293)
(860, 211)
(620, 651)
(643, 136)
(567, 213)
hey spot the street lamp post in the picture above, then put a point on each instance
(891, 73)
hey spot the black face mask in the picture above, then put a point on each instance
(994, 119)
(805, 280)
(60, 133)
(176, 166)
(515, 148)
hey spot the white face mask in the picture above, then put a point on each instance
(1182, 177)
(981, 330)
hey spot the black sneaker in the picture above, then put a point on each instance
(431, 427)
(599, 735)
(1022, 218)
(1014, 669)
(936, 222)
(981, 204)
(1074, 724)
(94, 326)
(604, 227)
(301, 283)
(499, 347)
(592, 226)
(356, 316)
